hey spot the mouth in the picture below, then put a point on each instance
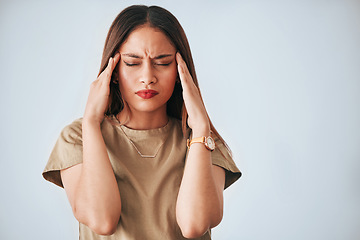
(147, 93)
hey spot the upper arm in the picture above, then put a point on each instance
(70, 178)
(219, 178)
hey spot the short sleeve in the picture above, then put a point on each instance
(221, 157)
(66, 153)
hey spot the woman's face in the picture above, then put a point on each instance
(147, 70)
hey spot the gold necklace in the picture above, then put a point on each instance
(138, 151)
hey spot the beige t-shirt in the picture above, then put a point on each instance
(148, 186)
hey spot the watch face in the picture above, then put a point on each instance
(210, 143)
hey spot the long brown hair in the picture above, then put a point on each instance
(126, 22)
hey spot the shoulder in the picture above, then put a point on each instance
(73, 131)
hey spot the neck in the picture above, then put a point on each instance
(143, 120)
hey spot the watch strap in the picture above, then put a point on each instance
(204, 140)
(195, 140)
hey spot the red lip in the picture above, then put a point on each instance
(147, 93)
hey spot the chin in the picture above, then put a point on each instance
(149, 107)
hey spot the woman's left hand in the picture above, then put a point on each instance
(198, 119)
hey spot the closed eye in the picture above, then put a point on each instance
(130, 64)
(163, 64)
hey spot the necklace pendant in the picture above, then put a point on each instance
(138, 151)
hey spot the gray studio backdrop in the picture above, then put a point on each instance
(281, 82)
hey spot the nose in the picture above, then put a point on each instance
(147, 75)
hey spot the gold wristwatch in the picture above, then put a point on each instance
(207, 141)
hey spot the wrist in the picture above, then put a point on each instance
(201, 132)
(207, 141)
(90, 122)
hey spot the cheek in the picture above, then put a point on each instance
(125, 73)
(170, 83)
(171, 74)
(128, 76)
(126, 79)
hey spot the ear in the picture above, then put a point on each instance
(115, 76)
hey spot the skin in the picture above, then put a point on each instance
(147, 62)
(91, 186)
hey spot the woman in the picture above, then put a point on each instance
(123, 164)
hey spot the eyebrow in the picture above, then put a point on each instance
(133, 55)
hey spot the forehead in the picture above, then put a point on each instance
(147, 40)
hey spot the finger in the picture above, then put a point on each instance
(183, 64)
(184, 74)
(182, 69)
(116, 60)
(113, 61)
(106, 74)
(180, 62)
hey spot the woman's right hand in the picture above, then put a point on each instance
(94, 178)
(99, 93)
